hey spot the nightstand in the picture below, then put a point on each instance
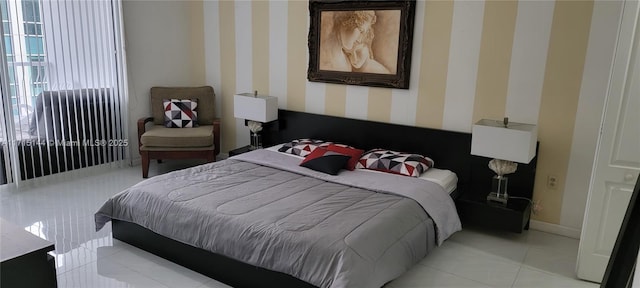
(475, 211)
(238, 151)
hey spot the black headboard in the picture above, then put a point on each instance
(448, 149)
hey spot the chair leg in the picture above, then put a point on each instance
(145, 164)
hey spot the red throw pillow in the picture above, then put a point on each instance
(353, 152)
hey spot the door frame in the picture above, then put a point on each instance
(629, 23)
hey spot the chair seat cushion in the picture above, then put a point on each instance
(161, 136)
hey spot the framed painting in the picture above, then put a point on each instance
(361, 42)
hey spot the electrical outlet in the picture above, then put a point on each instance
(552, 182)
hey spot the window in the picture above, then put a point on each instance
(37, 75)
(71, 43)
(32, 28)
(30, 11)
(4, 8)
(34, 45)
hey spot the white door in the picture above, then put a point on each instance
(617, 162)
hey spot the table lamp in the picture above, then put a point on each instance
(257, 109)
(506, 142)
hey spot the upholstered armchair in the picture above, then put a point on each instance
(156, 141)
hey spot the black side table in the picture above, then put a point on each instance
(24, 258)
(513, 217)
(238, 151)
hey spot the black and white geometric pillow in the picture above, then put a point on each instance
(302, 147)
(395, 162)
(180, 113)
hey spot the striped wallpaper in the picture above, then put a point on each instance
(471, 60)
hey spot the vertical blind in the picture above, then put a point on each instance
(63, 97)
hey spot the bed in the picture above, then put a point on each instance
(357, 229)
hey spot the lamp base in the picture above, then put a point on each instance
(495, 198)
(499, 190)
(256, 141)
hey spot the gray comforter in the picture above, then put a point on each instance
(357, 229)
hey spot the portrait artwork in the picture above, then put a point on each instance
(361, 42)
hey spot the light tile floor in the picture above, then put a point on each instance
(62, 211)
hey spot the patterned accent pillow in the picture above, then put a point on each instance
(395, 162)
(347, 150)
(302, 147)
(180, 113)
(325, 161)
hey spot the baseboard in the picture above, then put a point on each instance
(555, 229)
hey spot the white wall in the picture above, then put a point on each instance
(212, 55)
(595, 83)
(159, 43)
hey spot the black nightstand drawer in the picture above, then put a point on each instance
(514, 217)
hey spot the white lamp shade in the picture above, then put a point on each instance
(516, 143)
(260, 108)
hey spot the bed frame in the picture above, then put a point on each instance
(449, 150)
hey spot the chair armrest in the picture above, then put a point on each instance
(216, 136)
(141, 129)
